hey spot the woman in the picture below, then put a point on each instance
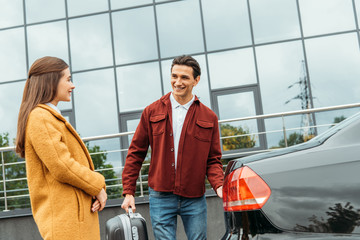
(60, 173)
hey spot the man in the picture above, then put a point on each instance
(185, 148)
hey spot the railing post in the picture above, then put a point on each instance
(141, 185)
(284, 131)
(4, 180)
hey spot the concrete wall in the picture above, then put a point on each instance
(24, 228)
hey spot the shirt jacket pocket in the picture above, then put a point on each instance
(203, 130)
(158, 124)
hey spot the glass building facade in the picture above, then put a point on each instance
(252, 55)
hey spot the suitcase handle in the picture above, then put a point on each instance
(130, 212)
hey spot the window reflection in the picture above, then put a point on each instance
(10, 99)
(326, 16)
(135, 41)
(96, 112)
(180, 29)
(12, 57)
(79, 7)
(48, 39)
(111, 147)
(138, 86)
(228, 19)
(131, 126)
(232, 68)
(328, 118)
(275, 133)
(90, 42)
(43, 10)
(278, 24)
(280, 66)
(334, 71)
(201, 90)
(115, 4)
(11, 13)
(238, 105)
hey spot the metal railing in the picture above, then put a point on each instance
(140, 181)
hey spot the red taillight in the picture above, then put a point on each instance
(244, 190)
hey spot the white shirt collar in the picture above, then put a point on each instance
(175, 103)
(53, 107)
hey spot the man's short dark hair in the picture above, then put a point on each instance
(188, 61)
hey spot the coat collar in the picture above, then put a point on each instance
(52, 111)
(71, 129)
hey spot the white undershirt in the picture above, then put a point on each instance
(53, 107)
(178, 117)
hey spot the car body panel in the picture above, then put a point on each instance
(315, 189)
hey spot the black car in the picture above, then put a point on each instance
(308, 191)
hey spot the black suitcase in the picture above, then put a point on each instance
(130, 226)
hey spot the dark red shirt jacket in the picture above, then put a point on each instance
(199, 151)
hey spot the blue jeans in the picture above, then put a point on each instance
(164, 208)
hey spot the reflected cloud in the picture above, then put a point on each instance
(12, 58)
(79, 7)
(326, 16)
(43, 10)
(138, 80)
(132, 45)
(48, 39)
(90, 42)
(180, 30)
(10, 99)
(334, 68)
(232, 68)
(280, 23)
(95, 103)
(221, 18)
(11, 13)
(115, 4)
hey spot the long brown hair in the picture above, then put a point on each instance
(40, 87)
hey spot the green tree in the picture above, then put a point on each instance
(18, 171)
(338, 119)
(99, 158)
(293, 139)
(12, 172)
(235, 143)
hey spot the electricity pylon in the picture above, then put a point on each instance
(304, 96)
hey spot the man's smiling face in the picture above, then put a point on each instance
(182, 82)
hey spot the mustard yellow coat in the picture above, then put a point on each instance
(61, 178)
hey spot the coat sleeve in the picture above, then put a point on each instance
(136, 155)
(55, 155)
(215, 171)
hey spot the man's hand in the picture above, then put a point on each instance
(100, 202)
(219, 192)
(129, 201)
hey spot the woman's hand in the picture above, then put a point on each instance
(96, 205)
(100, 201)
